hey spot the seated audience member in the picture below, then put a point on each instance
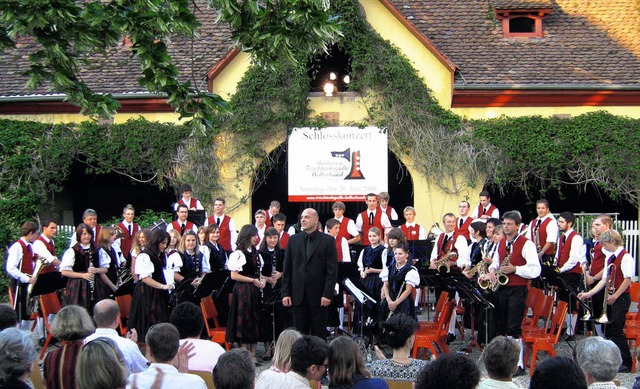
(106, 314)
(454, 371)
(187, 317)
(71, 326)
(599, 359)
(281, 359)
(163, 346)
(234, 370)
(347, 369)
(398, 333)
(309, 361)
(101, 365)
(8, 317)
(558, 373)
(501, 361)
(17, 353)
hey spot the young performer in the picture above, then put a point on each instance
(370, 266)
(129, 230)
(411, 230)
(342, 247)
(617, 274)
(187, 199)
(243, 324)
(464, 221)
(543, 232)
(194, 266)
(203, 239)
(228, 232)
(485, 210)
(571, 255)
(597, 258)
(218, 263)
(218, 256)
(21, 268)
(260, 224)
(372, 217)
(399, 280)
(274, 209)
(348, 229)
(140, 241)
(105, 284)
(174, 259)
(279, 221)
(80, 264)
(516, 258)
(181, 224)
(150, 301)
(395, 237)
(270, 316)
(383, 206)
(45, 247)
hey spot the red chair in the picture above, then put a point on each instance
(542, 309)
(429, 338)
(210, 314)
(545, 341)
(49, 304)
(124, 304)
(442, 300)
(532, 296)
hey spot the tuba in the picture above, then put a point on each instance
(434, 231)
(610, 289)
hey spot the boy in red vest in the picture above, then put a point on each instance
(571, 255)
(412, 230)
(225, 223)
(372, 217)
(181, 224)
(21, 267)
(186, 198)
(485, 210)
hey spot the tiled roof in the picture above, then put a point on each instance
(585, 42)
(593, 42)
(118, 71)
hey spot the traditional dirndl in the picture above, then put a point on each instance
(78, 292)
(148, 307)
(243, 323)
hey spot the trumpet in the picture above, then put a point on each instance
(444, 261)
(610, 289)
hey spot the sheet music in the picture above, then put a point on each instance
(169, 276)
(359, 295)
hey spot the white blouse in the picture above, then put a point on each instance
(69, 259)
(237, 260)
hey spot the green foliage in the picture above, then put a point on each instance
(145, 219)
(274, 30)
(535, 154)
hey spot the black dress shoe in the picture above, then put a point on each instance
(450, 338)
(519, 372)
(624, 369)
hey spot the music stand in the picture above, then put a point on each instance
(48, 283)
(362, 298)
(572, 293)
(197, 217)
(420, 250)
(209, 283)
(467, 290)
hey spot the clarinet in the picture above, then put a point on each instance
(92, 282)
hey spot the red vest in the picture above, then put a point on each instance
(52, 249)
(127, 239)
(464, 230)
(366, 226)
(267, 219)
(387, 211)
(339, 248)
(284, 239)
(192, 203)
(95, 237)
(619, 277)
(597, 262)
(564, 249)
(411, 233)
(187, 226)
(481, 211)
(27, 264)
(343, 232)
(450, 246)
(516, 259)
(225, 235)
(542, 231)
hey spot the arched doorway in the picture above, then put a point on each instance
(274, 186)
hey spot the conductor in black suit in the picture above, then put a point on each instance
(309, 275)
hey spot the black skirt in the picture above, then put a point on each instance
(148, 307)
(243, 323)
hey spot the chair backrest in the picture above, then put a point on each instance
(442, 300)
(558, 320)
(542, 309)
(209, 312)
(206, 376)
(124, 304)
(532, 297)
(634, 292)
(443, 322)
(50, 304)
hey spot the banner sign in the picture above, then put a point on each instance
(337, 163)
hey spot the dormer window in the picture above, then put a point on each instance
(522, 23)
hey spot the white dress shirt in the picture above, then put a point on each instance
(532, 267)
(39, 248)
(69, 259)
(172, 378)
(384, 219)
(14, 258)
(464, 253)
(577, 254)
(136, 362)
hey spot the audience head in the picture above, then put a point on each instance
(598, 358)
(398, 331)
(72, 323)
(101, 366)
(234, 370)
(105, 313)
(17, 353)
(501, 358)
(455, 371)
(309, 357)
(345, 362)
(558, 373)
(282, 353)
(188, 319)
(8, 317)
(163, 341)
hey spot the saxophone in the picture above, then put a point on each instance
(444, 261)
